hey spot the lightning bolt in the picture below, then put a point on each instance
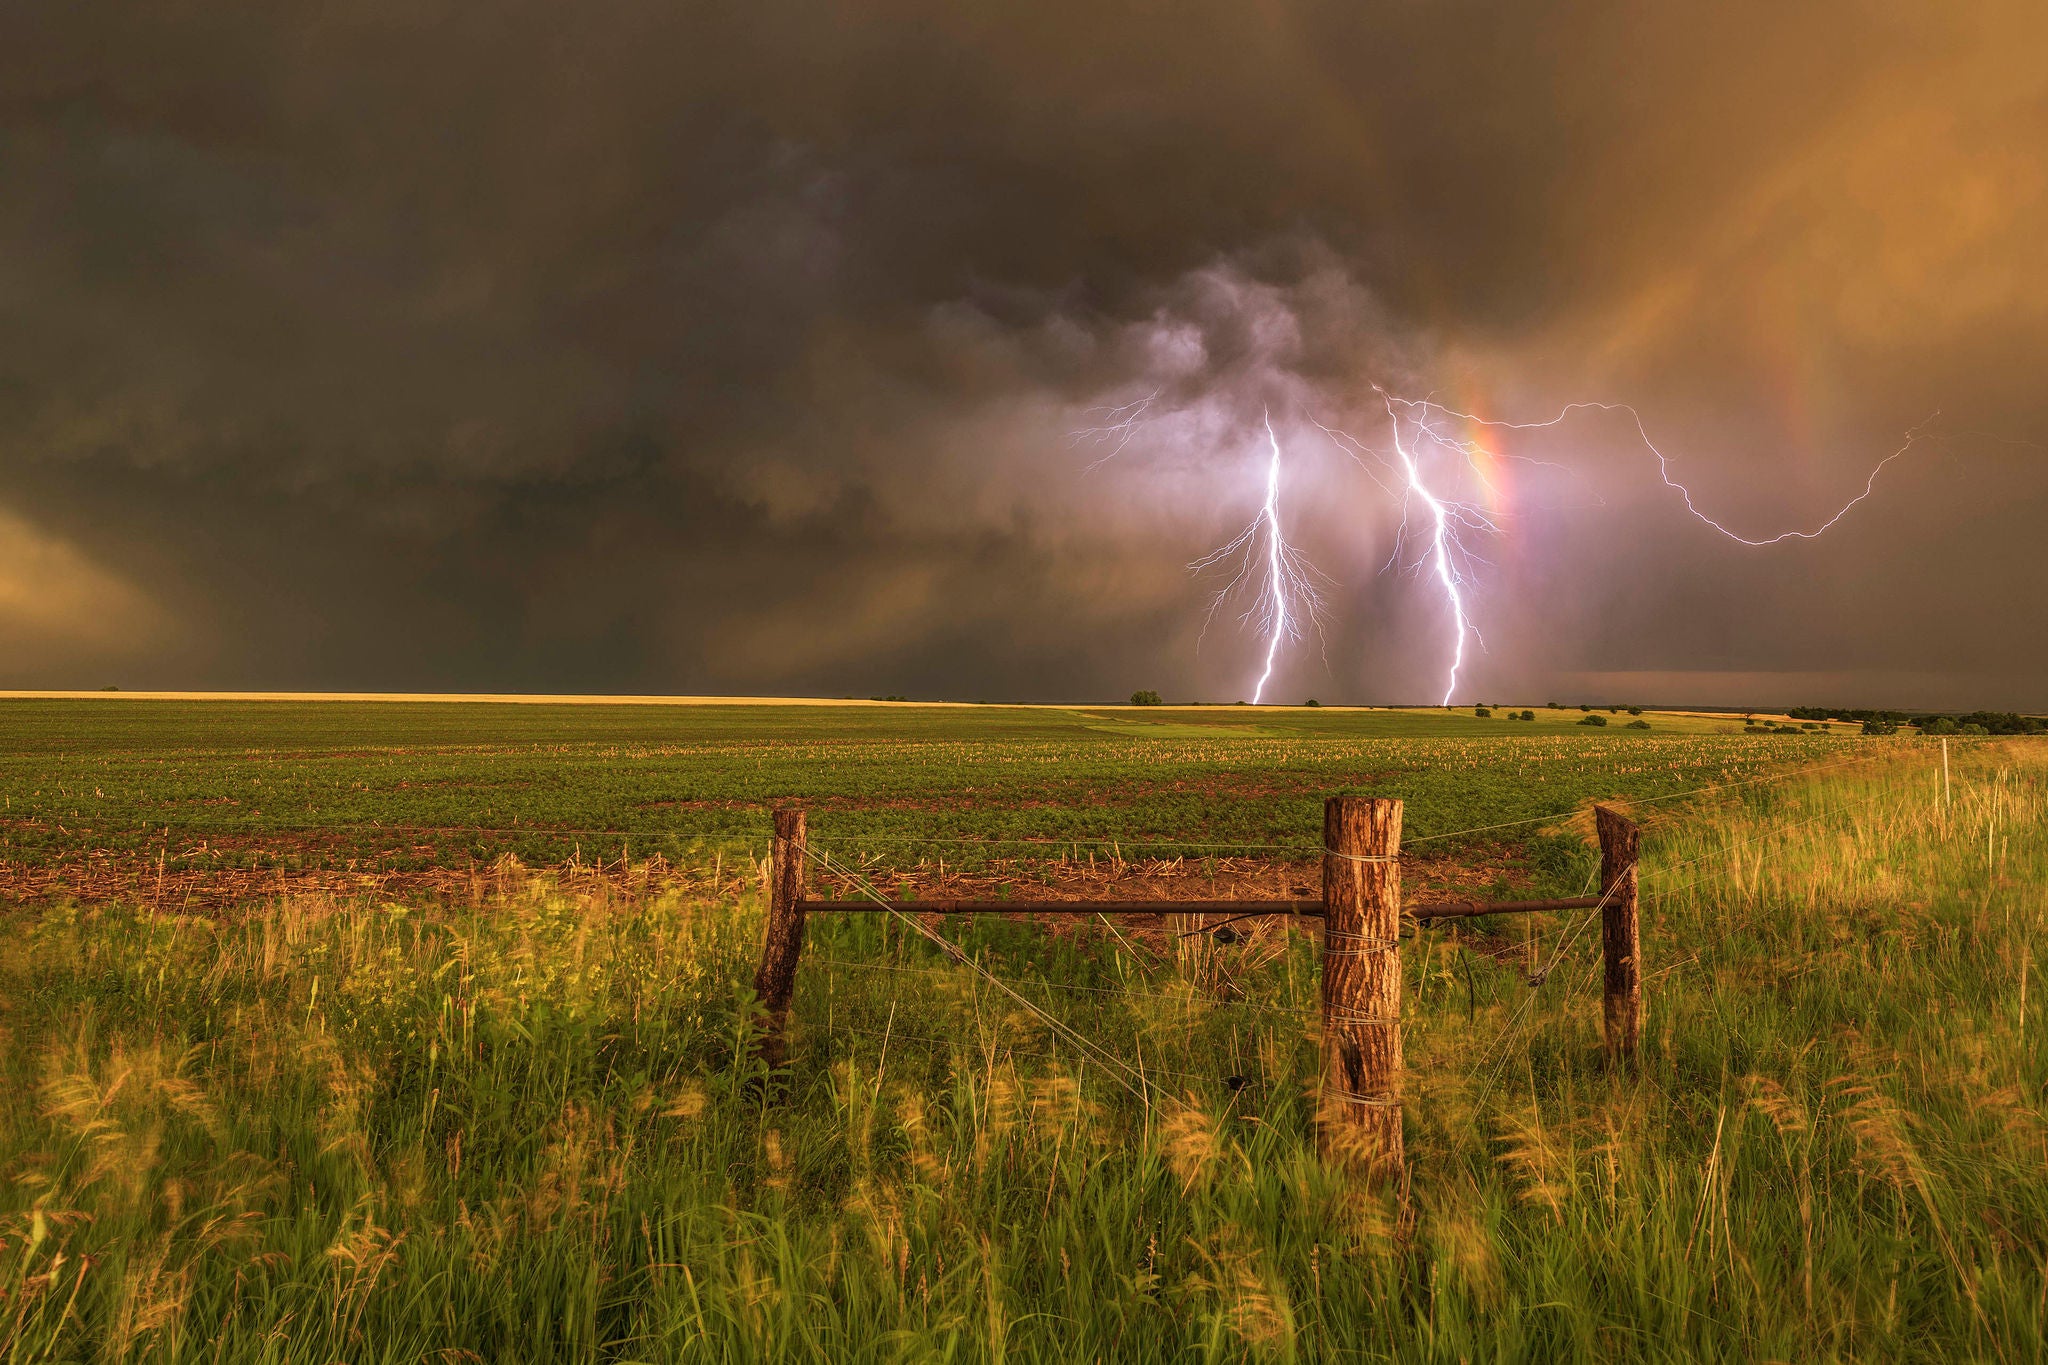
(1118, 425)
(1914, 435)
(1290, 596)
(1442, 537)
(1447, 520)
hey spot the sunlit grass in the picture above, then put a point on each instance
(523, 1129)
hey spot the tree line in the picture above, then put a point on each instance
(1975, 723)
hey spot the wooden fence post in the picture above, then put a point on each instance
(775, 982)
(1620, 934)
(1361, 1119)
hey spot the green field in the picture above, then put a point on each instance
(521, 1124)
(398, 786)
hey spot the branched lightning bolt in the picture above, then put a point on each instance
(1441, 538)
(1445, 553)
(1289, 598)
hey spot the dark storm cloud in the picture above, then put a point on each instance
(682, 347)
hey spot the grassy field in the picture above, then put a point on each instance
(520, 1126)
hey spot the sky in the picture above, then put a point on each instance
(650, 346)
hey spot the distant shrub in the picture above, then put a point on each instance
(1482, 711)
(1637, 725)
(1938, 725)
(1874, 726)
(1146, 698)
(1972, 729)
(1635, 710)
(1584, 707)
(1553, 706)
(1595, 719)
(1528, 715)
(1614, 710)
(1311, 702)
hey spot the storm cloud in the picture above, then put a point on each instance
(635, 346)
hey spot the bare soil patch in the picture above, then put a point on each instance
(183, 882)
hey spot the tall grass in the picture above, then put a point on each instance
(524, 1129)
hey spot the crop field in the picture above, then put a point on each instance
(168, 798)
(400, 1033)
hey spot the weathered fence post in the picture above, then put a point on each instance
(776, 980)
(1361, 1117)
(1620, 934)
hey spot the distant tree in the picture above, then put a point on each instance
(1553, 706)
(1483, 712)
(1637, 725)
(1311, 702)
(1635, 710)
(1594, 719)
(1584, 707)
(1528, 715)
(1875, 726)
(1146, 697)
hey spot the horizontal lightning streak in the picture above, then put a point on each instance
(1913, 436)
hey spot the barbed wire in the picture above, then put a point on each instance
(1654, 898)
(1141, 1090)
(1661, 896)
(1011, 1050)
(1498, 1051)
(1081, 989)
